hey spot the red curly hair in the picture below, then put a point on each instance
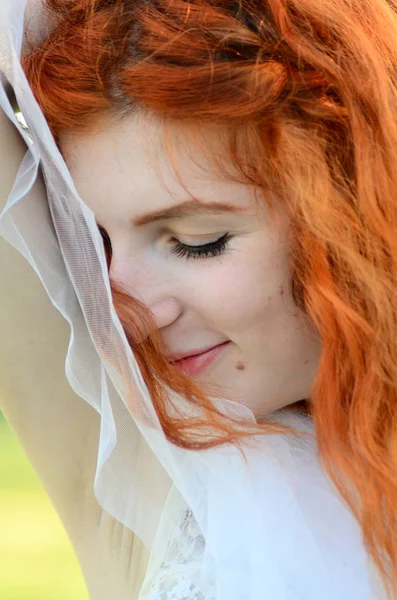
(307, 92)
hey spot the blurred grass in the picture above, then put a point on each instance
(37, 561)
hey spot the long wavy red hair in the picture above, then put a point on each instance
(306, 91)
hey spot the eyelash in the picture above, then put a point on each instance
(212, 249)
(205, 251)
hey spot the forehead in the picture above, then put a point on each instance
(131, 161)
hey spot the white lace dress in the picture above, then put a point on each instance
(277, 531)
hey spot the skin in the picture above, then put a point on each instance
(123, 172)
(58, 431)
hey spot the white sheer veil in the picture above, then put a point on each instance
(217, 528)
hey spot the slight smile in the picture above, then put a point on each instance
(195, 364)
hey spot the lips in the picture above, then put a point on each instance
(197, 361)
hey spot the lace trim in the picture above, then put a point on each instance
(173, 583)
(180, 576)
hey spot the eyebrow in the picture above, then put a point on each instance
(188, 208)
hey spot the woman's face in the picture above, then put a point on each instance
(213, 270)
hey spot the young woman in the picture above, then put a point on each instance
(239, 159)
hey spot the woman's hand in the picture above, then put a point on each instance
(37, 22)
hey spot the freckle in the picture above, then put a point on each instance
(306, 362)
(240, 366)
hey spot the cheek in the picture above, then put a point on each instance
(245, 290)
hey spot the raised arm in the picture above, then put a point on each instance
(58, 431)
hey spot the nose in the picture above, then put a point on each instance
(165, 310)
(151, 286)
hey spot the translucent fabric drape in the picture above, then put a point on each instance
(217, 528)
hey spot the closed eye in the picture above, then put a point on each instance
(204, 251)
(215, 248)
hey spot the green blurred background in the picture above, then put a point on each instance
(37, 561)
